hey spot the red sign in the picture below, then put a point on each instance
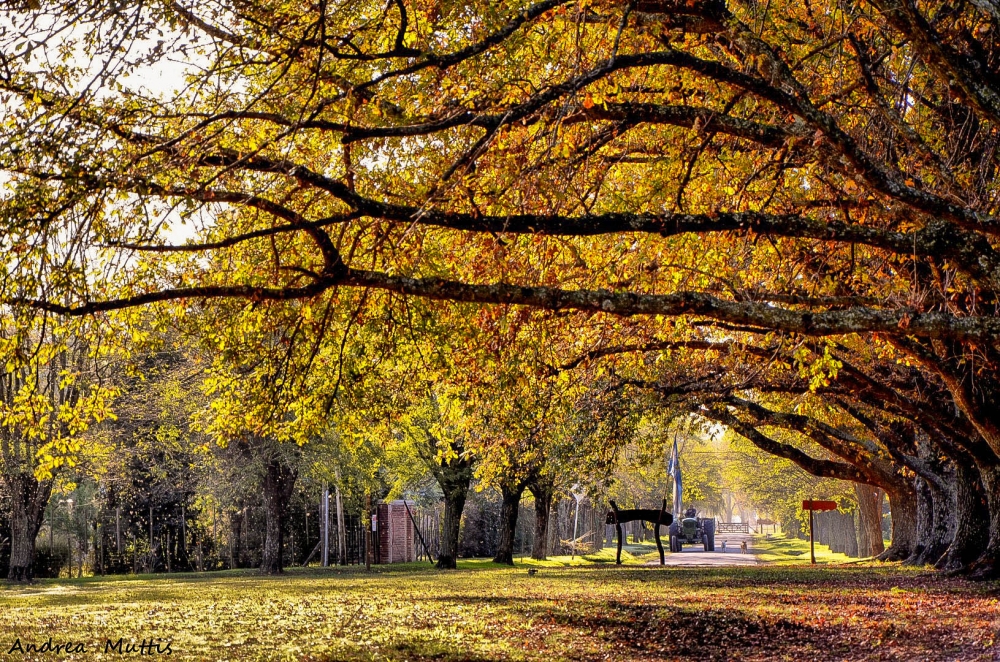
(811, 504)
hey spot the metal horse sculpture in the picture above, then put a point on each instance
(654, 517)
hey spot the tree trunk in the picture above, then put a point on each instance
(454, 477)
(848, 535)
(820, 529)
(869, 520)
(235, 540)
(936, 513)
(972, 518)
(28, 500)
(542, 491)
(987, 566)
(511, 495)
(552, 543)
(792, 528)
(727, 506)
(903, 506)
(925, 520)
(455, 492)
(279, 480)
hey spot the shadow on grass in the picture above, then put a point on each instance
(419, 651)
(464, 581)
(488, 612)
(670, 631)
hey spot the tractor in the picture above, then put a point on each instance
(692, 530)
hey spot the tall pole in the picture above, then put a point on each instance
(812, 548)
(576, 520)
(577, 495)
(341, 526)
(325, 519)
(368, 543)
(69, 529)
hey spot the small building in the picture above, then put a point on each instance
(395, 532)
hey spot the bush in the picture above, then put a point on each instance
(480, 534)
(50, 562)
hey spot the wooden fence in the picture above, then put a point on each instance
(427, 525)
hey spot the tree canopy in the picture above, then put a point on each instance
(776, 216)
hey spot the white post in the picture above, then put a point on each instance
(341, 530)
(325, 520)
(576, 517)
(69, 545)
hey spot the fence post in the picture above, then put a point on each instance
(368, 531)
(325, 520)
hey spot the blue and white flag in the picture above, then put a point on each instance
(674, 471)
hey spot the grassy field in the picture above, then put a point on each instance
(778, 549)
(588, 611)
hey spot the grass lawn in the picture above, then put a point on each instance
(592, 611)
(780, 550)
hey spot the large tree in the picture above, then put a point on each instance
(51, 391)
(821, 169)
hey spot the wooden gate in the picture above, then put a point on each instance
(732, 527)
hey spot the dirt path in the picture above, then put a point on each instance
(695, 555)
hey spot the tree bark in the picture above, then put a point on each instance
(510, 505)
(924, 520)
(869, 520)
(236, 537)
(453, 476)
(554, 524)
(28, 500)
(903, 506)
(972, 518)
(456, 489)
(279, 480)
(792, 528)
(848, 535)
(542, 491)
(936, 518)
(727, 506)
(987, 566)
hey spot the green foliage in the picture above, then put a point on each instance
(777, 487)
(53, 388)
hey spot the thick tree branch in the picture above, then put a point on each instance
(814, 466)
(978, 84)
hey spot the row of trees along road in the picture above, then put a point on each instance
(779, 216)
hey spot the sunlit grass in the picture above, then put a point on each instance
(780, 550)
(580, 611)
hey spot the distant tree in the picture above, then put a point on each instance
(51, 391)
(436, 428)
